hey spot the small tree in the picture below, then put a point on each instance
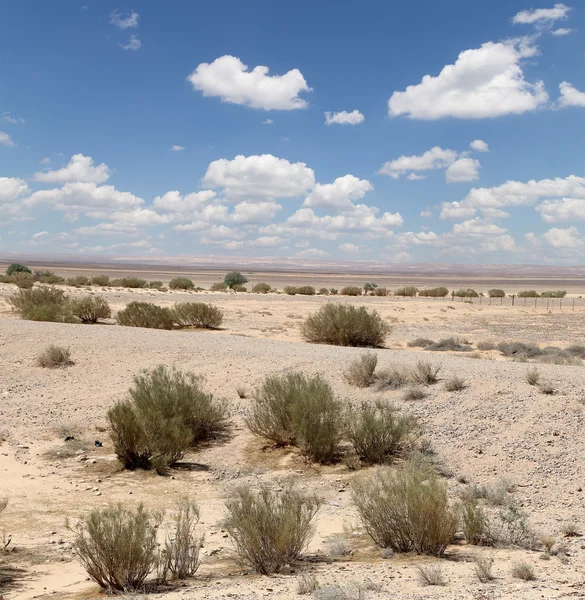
(370, 287)
(17, 268)
(496, 293)
(234, 278)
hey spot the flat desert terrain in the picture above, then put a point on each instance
(498, 429)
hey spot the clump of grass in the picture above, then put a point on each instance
(101, 280)
(485, 345)
(546, 387)
(474, 521)
(146, 314)
(307, 290)
(455, 384)
(431, 575)
(425, 373)
(78, 281)
(130, 282)
(351, 290)
(219, 287)
(483, 568)
(197, 314)
(532, 376)
(414, 392)
(571, 529)
(451, 344)
(307, 583)
(42, 304)
(393, 378)
(261, 288)
(53, 357)
(181, 283)
(519, 349)
(523, 570)
(90, 309)
(345, 325)
(380, 431)
(166, 414)
(361, 371)
(420, 343)
(406, 510)
(270, 529)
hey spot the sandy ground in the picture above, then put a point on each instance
(498, 427)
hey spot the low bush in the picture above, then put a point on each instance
(407, 291)
(393, 378)
(130, 282)
(155, 285)
(380, 431)
(261, 288)
(351, 290)
(22, 280)
(466, 293)
(238, 287)
(53, 357)
(546, 387)
(361, 371)
(420, 343)
(323, 292)
(42, 304)
(519, 349)
(496, 293)
(455, 384)
(101, 280)
(197, 314)
(576, 350)
(166, 414)
(117, 546)
(50, 278)
(290, 290)
(414, 393)
(270, 529)
(528, 294)
(451, 344)
(218, 287)
(406, 510)
(78, 281)
(483, 569)
(532, 376)
(431, 575)
(486, 345)
(345, 325)
(181, 283)
(17, 268)
(554, 294)
(381, 291)
(90, 309)
(333, 291)
(425, 373)
(438, 292)
(307, 290)
(145, 314)
(307, 584)
(523, 570)
(474, 522)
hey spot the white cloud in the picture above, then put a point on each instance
(133, 43)
(267, 241)
(45, 161)
(426, 213)
(484, 82)
(562, 31)
(344, 118)
(563, 238)
(254, 212)
(570, 96)
(463, 169)
(6, 140)
(12, 188)
(173, 202)
(566, 209)
(477, 226)
(435, 158)
(124, 21)
(339, 194)
(349, 247)
(259, 177)
(113, 229)
(267, 122)
(80, 169)
(415, 177)
(39, 235)
(9, 118)
(228, 78)
(479, 146)
(177, 148)
(541, 17)
(312, 253)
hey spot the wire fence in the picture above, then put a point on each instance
(512, 301)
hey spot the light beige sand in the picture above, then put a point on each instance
(498, 427)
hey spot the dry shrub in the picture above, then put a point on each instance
(78, 281)
(455, 384)
(42, 304)
(361, 371)
(571, 529)
(393, 378)
(485, 345)
(130, 282)
(155, 285)
(483, 568)
(290, 290)
(430, 575)
(345, 325)
(167, 413)
(338, 547)
(197, 314)
(219, 287)
(145, 314)
(306, 584)
(420, 343)
(238, 287)
(261, 288)
(523, 570)
(381, 291)
(511, 528)
(380, 431)
(22, 280)
(474, 521)
(351, 290)
(438, 292)
(414, 392)
(408, 291)
(53, 357)
(425, 373)
(117, 546)
(181, 283)
(576, 350)
(323, 291)
(452, 344)
(532, 376)
(90, 309)
(101, 280)
(307, 290)
(546, 387)
(519, 349)
(270, 529)
(406, 510)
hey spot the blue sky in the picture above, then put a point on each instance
(401, 132)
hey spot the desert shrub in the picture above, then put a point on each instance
(101, 280)
(50, 278)
(351, 290)
(145, 314)
(306, 584)
(425, 373)
(414, 392)
(483, 568)
(290, 290)
(379, 431)
(345, 325)
(234, 278)
(78, 281)
(167, 413)
(338, 547)
(438, 292)
(393, 378)
(130, 282)
(419, 343)
(485, 345)
(466, 293)
(496, 293)
(323, 291)
(406, 510)
(333, 291)
(523, 570)
(558, 356)
(17, 268)
(307, 290)
(407, 291)
(90, 309)
(528, 294)
(370, 287)
(197, 314)
(381, 291)
(571, 529)
(155, 285)
(554, 294)
(298, 410)
(430, 575)
(219, 287)
(546, 387)
(181, 283)
(455, 384)
(53, 357)
(22, 280)
(238, 287)
(361, 371)
(451, 344)
(474, 522)
(42, 304)
(270, 529)
(576, 350)
(519, 349)
(261, 288)
(117, 546)
(511, 528)
(532, 376)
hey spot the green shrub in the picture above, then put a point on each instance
(406, 510)
(333, 291)
(51, 278)
(42, 304)
(361, 371)
(197, 314)
(345, 325)
(78, 281)
(351, 290)
(323, 291)
(145, 314)
(474, 522)
(438, 292)
(409, 290)
(22, 280)
(155, 285)
(261, 288)
(381, 291)
(307, 290)
(166, 414)
(496, 293)
(554, 294)
(378, 432)
(234, 278)
(528, 294)
(53, 357)
(90, 309)
(298, 410)
(130, 282)
(218, 287)
(181, 283)
(370, 287)
(290, 290)
(117, 546)
(270, 529)
(17, 268)
(101, 280)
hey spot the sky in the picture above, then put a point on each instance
(399, 132)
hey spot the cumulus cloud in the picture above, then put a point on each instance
(228, 78)
(566, 209)
(124, 21)
(463, 169)
(174, 202)
(338, 195)
(570, 96)
(80, 169)
(541, 17)
(435, 158)
(349, 247)
(267, 241)
(12, 188)
(479, 146)
(254, 212)
(415, 177)
(312, 253)
(483, 83)
(344, 118)
(6, 140)
(563, 238)
(133, 43)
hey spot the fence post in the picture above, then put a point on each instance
(560, 304)
(513, 297)
(547, 303)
